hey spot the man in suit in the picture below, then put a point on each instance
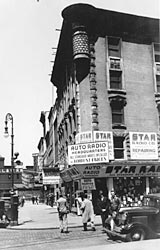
(103, 205)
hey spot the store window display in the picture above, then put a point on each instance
(130, 190)
(154, 184)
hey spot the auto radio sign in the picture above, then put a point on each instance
(88, 153)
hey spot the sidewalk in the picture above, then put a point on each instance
(43, 216)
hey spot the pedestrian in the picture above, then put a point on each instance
(103, 205)
(87, 212)
(115, 203)
(63, 210)
(33, 199)
(79, 203)
(22, 201)
(36, 200)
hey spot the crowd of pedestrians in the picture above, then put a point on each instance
(107, 208)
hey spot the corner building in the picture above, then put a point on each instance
(107, 74)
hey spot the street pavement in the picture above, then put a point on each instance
(41, 216)
(38, 229)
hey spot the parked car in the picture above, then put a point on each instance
(4, 220)
(138, 222)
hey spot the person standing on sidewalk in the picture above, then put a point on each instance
(115, 202)
(103, 205)
(87, 212)
(63, 210)
(114, 210)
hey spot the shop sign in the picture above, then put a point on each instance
(90, 171)
(88, 153)
(103, 170)
(51, 180)
(84, 137)
(65, 176)
(143, 146)
(105, 136)
(129, 171)
(74, 173)
(9, 170)
(88, 184)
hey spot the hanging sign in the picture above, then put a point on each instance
(84, 137)
(88, 153)
(143, 146)
(88, 184)
(105, 136)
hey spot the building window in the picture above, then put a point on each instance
(158, 114)
(114, 47)
(156, 49)
(118, 147)
(117, 114)
(157, 52)
(115, 79)
(158, 83)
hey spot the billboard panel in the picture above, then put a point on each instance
(88, 153)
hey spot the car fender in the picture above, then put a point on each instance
(134, 225)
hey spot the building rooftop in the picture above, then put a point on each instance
(100, 22)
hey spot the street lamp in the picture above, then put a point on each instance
(9, 117)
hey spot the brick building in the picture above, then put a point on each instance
(6, 177)
(107, 74)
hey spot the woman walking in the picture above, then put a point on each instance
(87, 213)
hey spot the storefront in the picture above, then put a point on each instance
(93, 167)
(126, 178)
(51, 180)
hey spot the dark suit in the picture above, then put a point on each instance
(103, 205)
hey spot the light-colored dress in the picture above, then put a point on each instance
(88, 212)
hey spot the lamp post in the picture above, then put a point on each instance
(14, 209)
(6, 134)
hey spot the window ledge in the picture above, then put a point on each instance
(117, 91)
(118, 126)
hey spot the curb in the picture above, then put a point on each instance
(47, 228)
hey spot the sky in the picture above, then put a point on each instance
(29, 30)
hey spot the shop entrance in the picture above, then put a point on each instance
(101, 184)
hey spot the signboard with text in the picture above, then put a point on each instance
(143, 146)
(88, 184)
(84, 137)
(104, 170)
(88, 153)
(105, 136)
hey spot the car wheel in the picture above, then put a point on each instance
(137, 234)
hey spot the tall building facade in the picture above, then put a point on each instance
(107, 74)
(49, 169)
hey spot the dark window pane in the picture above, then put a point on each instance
(117, 114)
(118, 154)
(157, 58)
(118, 147)
(158, 82)
(117, 118)
(114, 47)
(115, 80)
(118, 142)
